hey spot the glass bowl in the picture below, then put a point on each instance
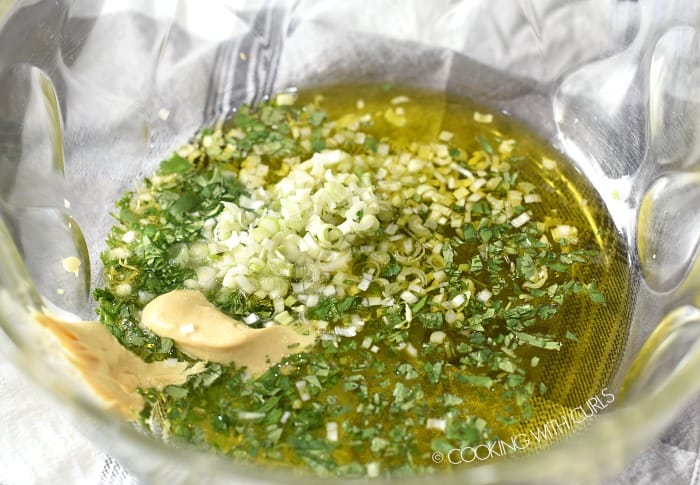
(94, 93)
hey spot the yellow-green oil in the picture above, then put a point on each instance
(572, 375)
(581, 369)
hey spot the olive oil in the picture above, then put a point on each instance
(483, 354)
(582, 367)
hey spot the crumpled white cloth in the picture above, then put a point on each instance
(38, 445)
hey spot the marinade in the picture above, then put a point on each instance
(466, 284)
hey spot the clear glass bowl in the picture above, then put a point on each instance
(94, 93)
